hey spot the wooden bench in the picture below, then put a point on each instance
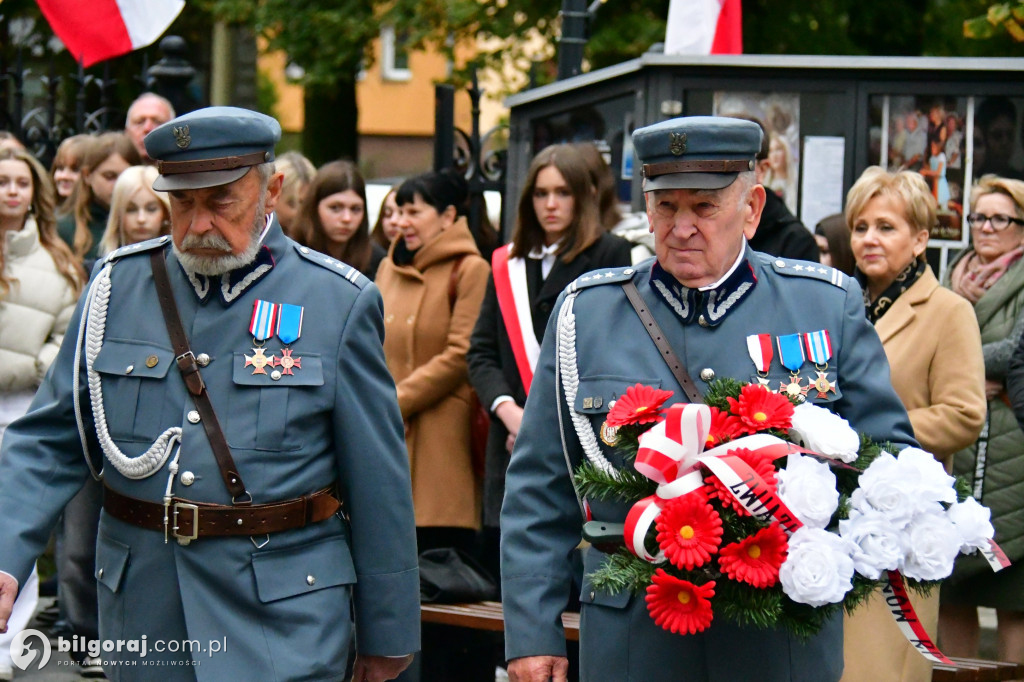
(485, 615)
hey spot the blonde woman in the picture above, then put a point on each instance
(137, 211)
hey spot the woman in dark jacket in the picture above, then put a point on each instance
(558, 237)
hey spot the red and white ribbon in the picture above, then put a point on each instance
(898, 601)
(514, 303)
(995, 556)
(761, 351)
(671, 454)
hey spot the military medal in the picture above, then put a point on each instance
(759, 346)
(819, 350)
(287, 362)
(258, 360)
(264, 322)
(791, 355)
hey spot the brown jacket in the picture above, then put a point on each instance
(425, 342)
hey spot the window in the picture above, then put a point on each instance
(394, 55)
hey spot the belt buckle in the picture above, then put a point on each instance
(184, 540)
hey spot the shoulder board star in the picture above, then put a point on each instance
(141, 247)
(804, 269)
(609, 276)
(346, 271)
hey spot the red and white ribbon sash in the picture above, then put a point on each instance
(514, 303)
(671, 453)
(761, 351)
(995, 556)
(898, 601)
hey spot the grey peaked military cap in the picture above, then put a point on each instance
(210, 147)
(696, 152)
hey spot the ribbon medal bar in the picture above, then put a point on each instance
(791, 355)
(289, 329)
(819, 350)
(759, 346)
(262, 325)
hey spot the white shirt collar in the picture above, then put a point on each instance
(736, 264)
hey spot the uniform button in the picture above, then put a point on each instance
(99, 573)
(193, 417)
(627, 271)
(187, 478)
(780, 263)
(152, 360)
(707, 374)
(311, 579)
(702, 321)
(592, 595)
(304, 249)
(275, 375)
(203, 359)
(129, 369)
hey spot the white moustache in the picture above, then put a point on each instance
(210, 241)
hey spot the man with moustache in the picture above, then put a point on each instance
(256, 485)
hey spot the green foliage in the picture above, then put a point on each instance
(622, 571)
(963, 488)
(626, 485)
(720, 390)
(1005, 18)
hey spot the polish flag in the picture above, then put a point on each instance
(100, 29)
(704, 27)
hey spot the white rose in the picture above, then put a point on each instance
(818, 569)
(879, 546)
(973, 523)
(884, 488)
(930, 480)
(824, 432)
(808, 488)
(930, 545)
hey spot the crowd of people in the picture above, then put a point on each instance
(454, 328)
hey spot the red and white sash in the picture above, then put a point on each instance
(514, 302)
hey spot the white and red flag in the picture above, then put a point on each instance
(704, 27)
(101, 29)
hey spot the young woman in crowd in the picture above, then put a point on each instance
(137, 211)
(558, 237)
(105, 158)
(333, 218)
(65, 170)
(386, 228)
(990, 275)
(938, 377)
(833, 239)
(39, 284)
(298, 172)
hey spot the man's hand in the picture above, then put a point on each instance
(8, 591)
(539, 669)
(379, 668)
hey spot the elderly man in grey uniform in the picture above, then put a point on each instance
(233, 386)
(708, 292)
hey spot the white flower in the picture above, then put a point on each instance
(973, 523)
(808, 488)
(879, 546)
(930, 480)
(824, 432)
(884, 488)
(930, 545)
(818, 569)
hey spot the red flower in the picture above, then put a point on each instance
(761, 464)
(689, 530)
(759, 409)
(679, 606)
(640, 405)
(755, 560)
(724, 428)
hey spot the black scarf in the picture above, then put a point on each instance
(875, 309)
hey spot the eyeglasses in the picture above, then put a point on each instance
(999, 221)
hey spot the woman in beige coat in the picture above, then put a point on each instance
(933, 345)
(433, 282)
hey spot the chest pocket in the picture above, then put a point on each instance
(133, 377)
(596, 395)
(266, 401)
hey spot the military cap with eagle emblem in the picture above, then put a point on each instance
(211, 146)
(696, 152)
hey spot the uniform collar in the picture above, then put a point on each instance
(229, 287)
(707, 305)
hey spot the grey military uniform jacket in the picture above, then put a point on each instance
(542, 517)
(281, 604)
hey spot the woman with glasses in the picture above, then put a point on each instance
(990, 274)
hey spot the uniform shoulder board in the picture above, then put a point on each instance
(141, 247)
(605, 276)
(802, 268)
(336, 266)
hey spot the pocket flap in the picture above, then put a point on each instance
(286, 572)
(303, 370)
(592, 560)
(595, 393)
(134, 358)
(111, 561)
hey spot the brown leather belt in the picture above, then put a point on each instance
(186, 520)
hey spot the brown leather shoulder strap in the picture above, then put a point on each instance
(189, 369)
(676, 365)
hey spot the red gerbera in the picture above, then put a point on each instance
(689, 530)
(755, 560)
(724, 427)
(761, 464)
(759, 409)
(679, 606)
(640, 405)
